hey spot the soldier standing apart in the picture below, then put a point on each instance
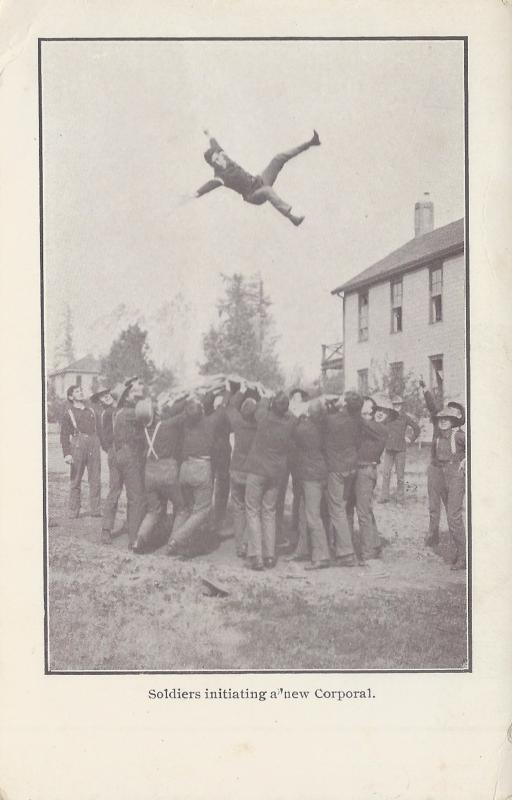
(266, 466)
(396, 449)
(81, 449)
(312, 472)
(342, 433)
(446, 478)
(129, 447)
(105, 420)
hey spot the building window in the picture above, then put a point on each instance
(362, 381)
(436, 294)
(78, 380)
(396, 306)
(437, 376)
(363, 316)
(396, 377)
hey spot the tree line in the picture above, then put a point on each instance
(242, 340)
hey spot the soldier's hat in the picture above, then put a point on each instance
(450, 411)
(397, 400)
(297, 390)
(386, 405)
(460, 409)
(96, 397)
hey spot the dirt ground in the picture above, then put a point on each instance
(112, 610)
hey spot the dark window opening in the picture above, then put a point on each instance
(396, 377)
(363, 316)
(396, 320)
(437, 376)
(362, 381)
(396, 306)
(436, 294)
(437, 308)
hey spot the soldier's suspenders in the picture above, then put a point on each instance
(73, 421)
(453, 445)
(151, 440)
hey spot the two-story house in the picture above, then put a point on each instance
(406, 314)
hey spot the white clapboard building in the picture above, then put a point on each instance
(406, 314)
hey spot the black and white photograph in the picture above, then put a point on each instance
(255, 357)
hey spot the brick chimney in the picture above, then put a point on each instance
(423, 216)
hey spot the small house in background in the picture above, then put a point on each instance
(406, 314)
(85, 373)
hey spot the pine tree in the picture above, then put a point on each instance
(64, 350)
(129, 355)
(242, 341)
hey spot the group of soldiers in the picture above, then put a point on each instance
(238, 440)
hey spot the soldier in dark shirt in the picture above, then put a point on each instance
(104, 405)
(195, 477)
(241, 412)
(298, 399)
(374, 435)
(396, 449)
(164, 439)
(214, 405)
(342, 433)
(81, 448)
(312, 473)
(266, 466)
(446, 479)
(128, 448)
(254, 189)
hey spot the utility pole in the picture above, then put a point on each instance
(260, 313)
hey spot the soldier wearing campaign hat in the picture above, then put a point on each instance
(446, 479)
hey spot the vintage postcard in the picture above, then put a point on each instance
(261, 326)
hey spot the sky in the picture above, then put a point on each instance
(123, 142)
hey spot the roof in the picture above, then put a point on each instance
(439, 243)
(86, 364)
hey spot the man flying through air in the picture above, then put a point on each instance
(254, 189)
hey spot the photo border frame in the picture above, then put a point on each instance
(469, 638)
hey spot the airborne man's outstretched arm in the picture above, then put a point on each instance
(213, 142)
(209, 186)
